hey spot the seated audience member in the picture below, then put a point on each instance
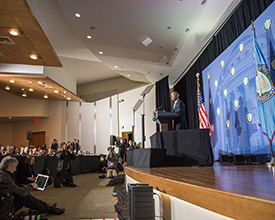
(34, 152)
(80, 152)
(2, 150)
(9, 150)
(102, 165)
(31, 145)
(22, 151)
(25, 173)
(112, 160)
(16, 196)
(50, 152)
(16, 151)
(26, 151)
(64, 167)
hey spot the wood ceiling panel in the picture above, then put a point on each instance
(31, 81)
(17, 14)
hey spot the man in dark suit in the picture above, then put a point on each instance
(179, 108)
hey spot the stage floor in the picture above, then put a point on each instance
(231, 190)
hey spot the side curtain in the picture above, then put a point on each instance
(163, 95)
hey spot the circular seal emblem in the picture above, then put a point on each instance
(245, 81)
(218, 111)
(273, 64)
(267, 24)
(225, 92)
(264, 84)
(241, 47)
(216, 83)
(236, 104)
(249, 117)
(233, 71)
(222, 63)
(227, 123)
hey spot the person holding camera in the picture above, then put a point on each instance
(121, 148)
(13, 197)
(64, 168)
(112, 160)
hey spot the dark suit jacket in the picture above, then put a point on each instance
(180, 122)
(24, 172)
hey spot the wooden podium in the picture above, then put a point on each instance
(163, 118)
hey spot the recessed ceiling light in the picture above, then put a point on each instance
(34, 56)
(14, 32)
(89, 36)
(147, 41)
(77, 15)
(12, 81)
(24, 95)
(69, 98)
(7, 88)
(100, 52)
(56, 91)
(10, 117)
(116, 67)
(128, 75)
(22, 89)
(31, 89)
(40, 83)
(168, 27)
(45, 96)
(65, 92)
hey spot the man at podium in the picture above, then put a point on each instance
(179, 108)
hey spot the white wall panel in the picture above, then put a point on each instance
(102, 125)
(73, 121)
(87, 127)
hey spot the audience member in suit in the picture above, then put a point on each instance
(54, 145)
(121, 148)
(64, 168)
(179, 108)
(25, 173)
(131, 145)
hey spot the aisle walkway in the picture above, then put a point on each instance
(90, 200)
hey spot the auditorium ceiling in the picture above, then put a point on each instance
(95, 40)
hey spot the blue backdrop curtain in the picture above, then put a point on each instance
(248, 10)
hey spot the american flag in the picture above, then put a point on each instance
(204, 122)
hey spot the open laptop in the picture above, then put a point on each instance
(41, 181)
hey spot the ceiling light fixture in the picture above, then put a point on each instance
(89, 36)
(34, 56)
(45, 96)
(24, 95)
(14, 32)
(147, 41)
(12, 81)
(116, 67)
(128, 75)
(40, 83)
(69, 98)
(65, 92)
(56, 91)
(100, 52)
(10, 118)
(31, 89)
(7, 88)
(77, 15)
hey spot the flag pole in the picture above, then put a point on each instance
(271, 162)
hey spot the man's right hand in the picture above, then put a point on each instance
(34, 185)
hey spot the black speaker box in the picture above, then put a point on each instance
(141, 202)
(112, 139)
(29, 135)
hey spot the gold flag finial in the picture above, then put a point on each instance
(252, 23)
(197, 75)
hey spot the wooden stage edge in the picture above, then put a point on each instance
(239, 192)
